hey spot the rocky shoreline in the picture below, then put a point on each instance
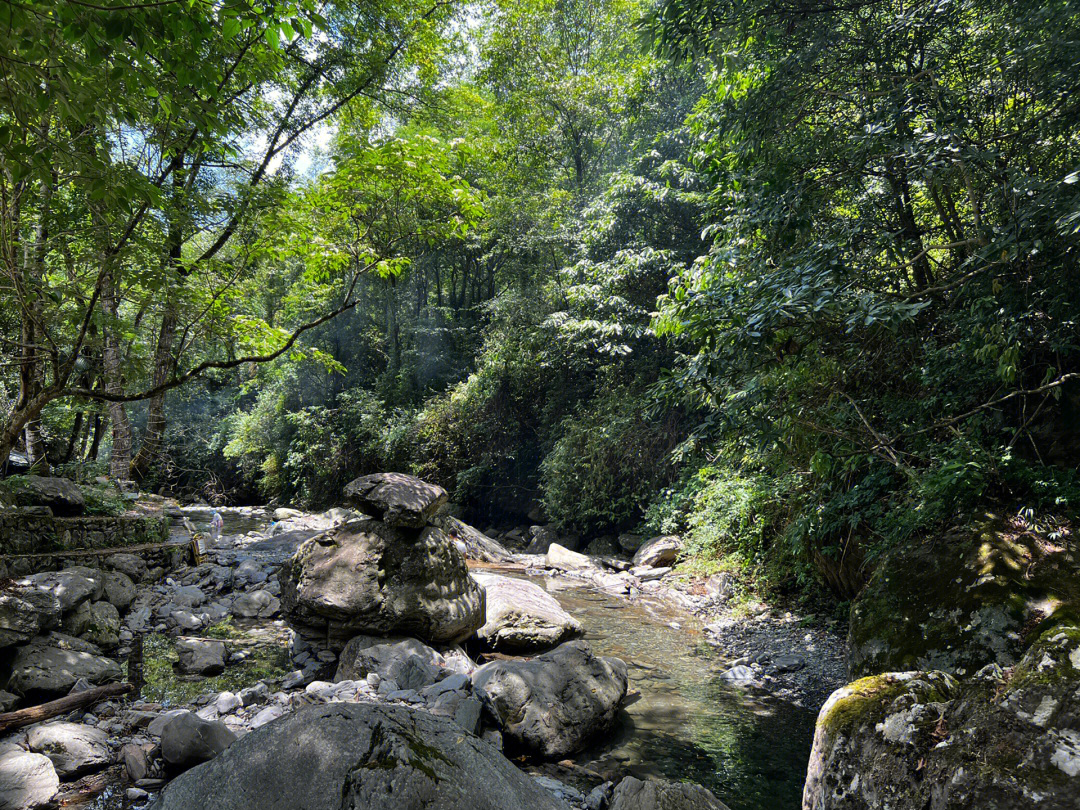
(227, 622)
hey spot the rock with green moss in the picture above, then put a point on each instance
(60, 495)
(1004, 738)
(962, 601)
(357, 756)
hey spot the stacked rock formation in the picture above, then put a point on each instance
(395, 574)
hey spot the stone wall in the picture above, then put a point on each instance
(34, 532)
(167, 556)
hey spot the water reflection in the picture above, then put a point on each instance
(688, 723)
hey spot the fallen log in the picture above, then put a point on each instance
(68, 703)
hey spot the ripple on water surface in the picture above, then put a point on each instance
(689, 724)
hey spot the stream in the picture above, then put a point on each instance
(685, 722)
(688, 723)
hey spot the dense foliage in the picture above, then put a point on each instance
(796, 280)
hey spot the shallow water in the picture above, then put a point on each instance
(688, 723)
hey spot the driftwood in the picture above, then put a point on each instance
(35, 714)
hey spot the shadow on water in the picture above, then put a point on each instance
(689, 724)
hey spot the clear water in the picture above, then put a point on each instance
(688, 723)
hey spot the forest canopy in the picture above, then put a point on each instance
(797, 280)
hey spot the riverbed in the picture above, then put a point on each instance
(686, 722)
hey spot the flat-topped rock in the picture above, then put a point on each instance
(522, 616)
(357, 755)
(367, 577)
(51, 664)
(72, 586)
(60, 495)
(398, 499)
(73, 748)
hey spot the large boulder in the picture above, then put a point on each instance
(961, 601)
(27, 781)
(658, 552)
(399, 499)
(363, 755)
(74, 749)
(62, 496)
(26, 611)
(72, 586)
(119, 590)
(656, 794)
(50, 665)
(370, 578)
(553, 704)
(188, 740)
(1002, 739)
(522, 616)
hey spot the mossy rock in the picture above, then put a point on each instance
(1007, 739)
(963, 600)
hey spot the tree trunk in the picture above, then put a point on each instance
(120, 459)
(76, 429)
(95, 445)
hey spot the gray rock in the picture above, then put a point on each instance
(188, 740)
(975, 609)
(658, 552)
(478, 546)
(603, 546)
(254, 604)
(50, 665)
(131, 565)
(367, 577)
(925, 739)
(8, 701)
(26, 611)
(654, 794)
(27, 781)
(719, 587)
(552, 704)
(630, 543)
(63, 497)
(136, 760)
(119, 590)
(70, 586)
(74, 749)
(267, 715)
(102, 625)
(186, 620)
(740, 673)
(200, 656)
(522, 616)
(566, 560)
(399, 499)
(188, 596)
(409, 663)
(541, 539)
(251, 695)
(344, 755)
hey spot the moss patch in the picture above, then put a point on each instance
(163, 685)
